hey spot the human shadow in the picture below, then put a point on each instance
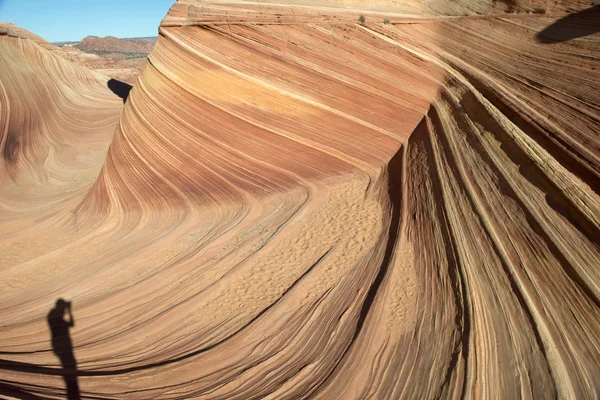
(60, 320)
(119, 88)
(573, 26)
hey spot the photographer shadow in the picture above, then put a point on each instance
(60, 320)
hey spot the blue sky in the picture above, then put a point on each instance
(71, 20)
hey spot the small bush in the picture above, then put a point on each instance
(386, 21)
(362, 19)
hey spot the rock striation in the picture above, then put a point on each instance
(296, 204)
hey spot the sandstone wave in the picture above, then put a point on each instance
(295, 204)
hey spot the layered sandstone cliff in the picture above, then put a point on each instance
(295, 204)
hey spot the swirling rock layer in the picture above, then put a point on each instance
(296, 205)
(56, 122)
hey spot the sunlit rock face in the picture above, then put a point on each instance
(293, 203)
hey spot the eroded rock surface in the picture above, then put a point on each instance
(295, 204)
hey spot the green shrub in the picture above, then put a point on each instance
(362, 19)
(386, 21)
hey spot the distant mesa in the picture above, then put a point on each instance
(113, 44)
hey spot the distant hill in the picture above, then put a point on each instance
(151, 39)
(111, 43)
(121, 59)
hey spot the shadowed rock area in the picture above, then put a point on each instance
(572, 26)
(119, 88)
(294, 203)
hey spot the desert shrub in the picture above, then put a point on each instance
(386, 20)
(362, 19)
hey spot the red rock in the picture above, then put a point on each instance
(299, 205)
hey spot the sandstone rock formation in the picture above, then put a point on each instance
(295, 204)
(12, 30)
(115, 63)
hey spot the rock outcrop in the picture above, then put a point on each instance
(296, 204)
